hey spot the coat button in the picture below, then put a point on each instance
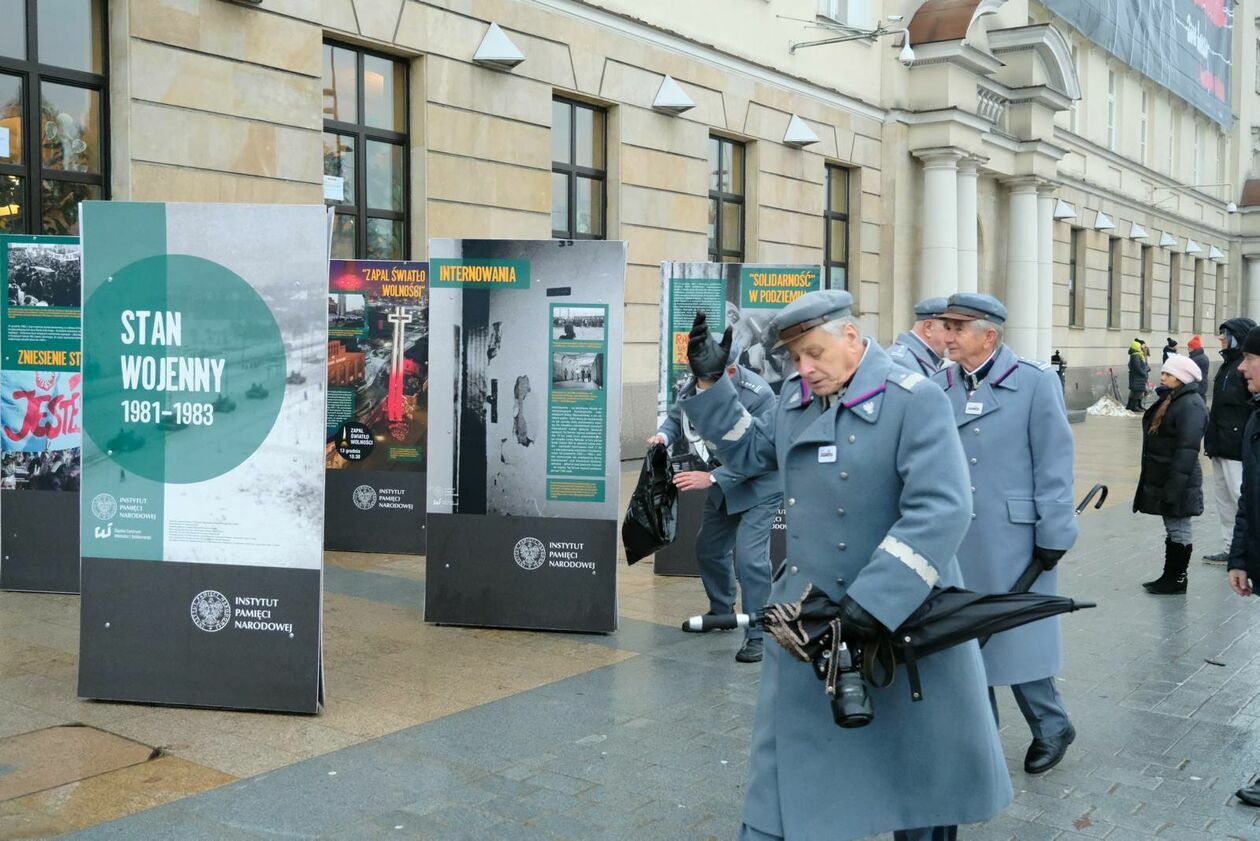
(844, 475)
(973, 488)
(840, 581)
(841, 547)
(840, 511)
(973, 516)
(976, 430)
(791, 500)
(852, 438)
(973, 461)
(792, 569)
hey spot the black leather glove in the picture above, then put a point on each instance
(706, 357)
(1049, 557)
(856, 623)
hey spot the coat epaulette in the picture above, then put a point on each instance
(906, 379)
(1036, 363)
(753, 387)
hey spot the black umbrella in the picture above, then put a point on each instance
(948, 617)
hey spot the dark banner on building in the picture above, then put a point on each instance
(525, 419)
(743, 296)
(41, 412)
(205, 331)
(1184, 45)
(378, 371)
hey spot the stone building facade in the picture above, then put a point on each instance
(1009, 155)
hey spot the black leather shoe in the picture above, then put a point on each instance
(1249, 794)
(750, 651)
(1044, 754)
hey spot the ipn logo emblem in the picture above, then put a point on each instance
(529, 553)
(364, 497)
(104, 506)
(211, 611)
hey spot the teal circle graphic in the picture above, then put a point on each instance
(184, 369)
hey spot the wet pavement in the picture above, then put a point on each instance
(452, 733)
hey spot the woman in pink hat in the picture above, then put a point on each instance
(1171, 484)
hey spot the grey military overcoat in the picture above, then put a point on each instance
(1015, 432)
(907, 350)
(877, 501)
(741, 492)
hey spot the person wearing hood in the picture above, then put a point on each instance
(1231, 406)
(1199, 357)
(1244, 549)
(1170, 348)
(1171, 482)
(1139, 368)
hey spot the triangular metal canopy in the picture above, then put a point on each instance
(1102, 222)
(1192, 247)
(1136, 231)
(1167, 240)
(497, 50)
(1063, 210)
(798, 133)
(1215, 253)
(671, 98)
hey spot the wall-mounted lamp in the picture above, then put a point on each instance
(1063, 210)
(1215, 254)
(1167, 240)
(799, 134)
(1102, 222)
(1192, 247)
(1136, 231)
(671, 98)
(497, 50)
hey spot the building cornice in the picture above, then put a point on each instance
(1138, 206)
(666, 39)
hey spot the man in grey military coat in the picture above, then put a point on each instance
(922, 347)
(877, 501)
(738, 513)
(1013, 424)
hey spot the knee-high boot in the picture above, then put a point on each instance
(1176, 562)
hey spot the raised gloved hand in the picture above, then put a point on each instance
(706, 357)
(856, 623)
(1049, 558)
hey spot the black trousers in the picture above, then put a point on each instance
(1135, 400)
(928, 833)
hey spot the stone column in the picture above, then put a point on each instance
(938, 256)
(1251, 299)
(1045, 271)
(1021, 267)
(968, 235)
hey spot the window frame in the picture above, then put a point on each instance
(1115, 281)
(1113, 110)
(1200, 271)
(32, 75)
(1174, 292)
(572, 171)
(1076, 261)
(1144, 127)
(362, 133)
(831, 215)
(1148, 287)
(717, 198)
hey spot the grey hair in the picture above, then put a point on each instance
(980, 325)
(836, 326)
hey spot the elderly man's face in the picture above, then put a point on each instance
(827, 361)
(966, 344)
(1250, 369)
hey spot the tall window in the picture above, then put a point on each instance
(1258, 67)
(1198, 152)
(1076, 264)
(1174, 128)
(726, 200)
(579, 151)
(365, 152)
(52, 113)
(1115, 265)
(1174, 293)
(836, 228)
(1196, 314)
(1142, 126)
(1148, 287)
(1111, 110)
(1075, 110)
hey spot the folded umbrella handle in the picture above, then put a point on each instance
(1099, 490)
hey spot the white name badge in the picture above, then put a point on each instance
(827, 455)
(974, 408)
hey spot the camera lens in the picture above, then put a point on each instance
(851, 707)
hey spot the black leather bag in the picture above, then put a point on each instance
(652, 516)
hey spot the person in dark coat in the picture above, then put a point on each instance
(1231, 405)
(1170, 348)
(1244, 549)
(1171, 482)
(1199, 357)
(1139, 369)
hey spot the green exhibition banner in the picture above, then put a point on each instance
(205, 340)
(378, 370)
(524, 424)
(41, 411)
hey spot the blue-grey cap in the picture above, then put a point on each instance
(970, 306)
(813, 309)
(930, 308)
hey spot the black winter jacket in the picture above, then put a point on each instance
(1200, 359)
(1171, 483)
(1138, 369)
(1244, 549)
(1231, 405)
